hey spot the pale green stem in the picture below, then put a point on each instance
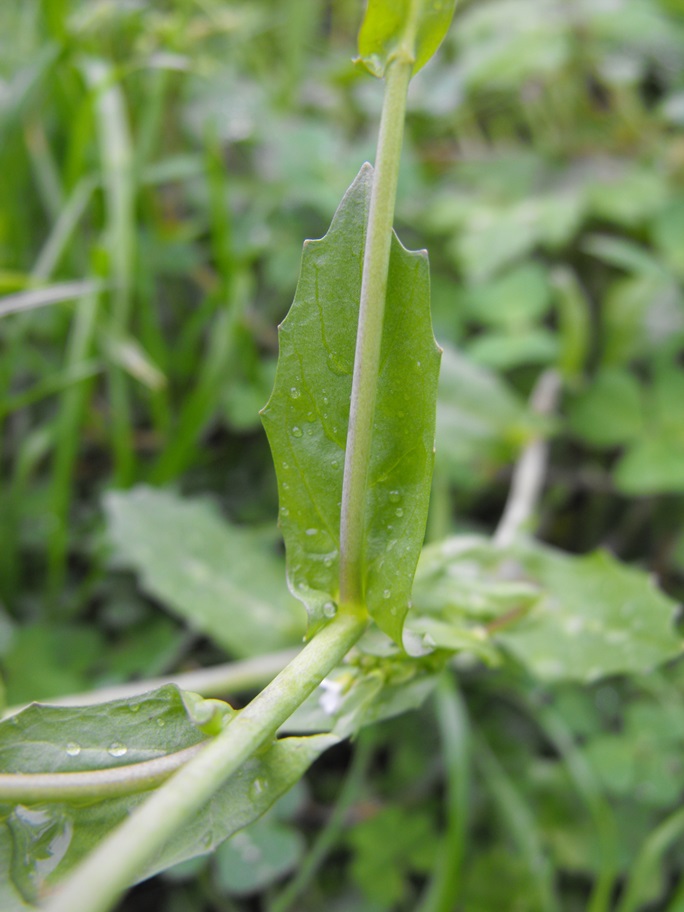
(644, 871)
(95, 785)
(98, 881)
(369, 333)
(445, 886)
(331, 833)
(219, 681)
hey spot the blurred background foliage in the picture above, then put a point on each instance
(162, 162)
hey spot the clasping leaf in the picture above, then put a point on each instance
(307, 417)
(389, 25)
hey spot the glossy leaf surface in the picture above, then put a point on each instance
(385, 29)
(307, 416)
(61, 739)
(40, 843)
(223, 580)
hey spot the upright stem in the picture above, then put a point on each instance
(369, 333)
(97, 883)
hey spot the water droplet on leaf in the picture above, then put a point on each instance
(117, 749)
(73, 749)
(297, 431)
(294, 392)
(394, 496)
(330, 609)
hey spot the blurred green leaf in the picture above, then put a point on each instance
(668, 235)
(223, 580)
(610, 412)
(594, 617)
(520, 296)
(387, 848)
(257, 857)
(653, 465)
(46, 660)
(502, 351)
(481, 421)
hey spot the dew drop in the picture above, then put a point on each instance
(387, 594)
(312, 531)
(325, 400)
(257, 788)
(285, 465)
(73, 749)
(394, 496)
(429, 642)
(334, 464)
(297, 431)
(330, 609)
(285, 486)
(117, 749)
(135, 707)
(294, 392)
(161, 723)
(284, 511)
(399, 512)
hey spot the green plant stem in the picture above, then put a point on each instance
(93, 785)
(642, 871)
(444, 887)
(330, 834)
(233, 677)
(96, 884)
(519, 821)
(591, 792)
(369, 333)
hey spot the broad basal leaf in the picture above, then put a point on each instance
(386, 26)
(595, 617)
(563, 617)
(307, 416)
(41, 842)
(222, 579)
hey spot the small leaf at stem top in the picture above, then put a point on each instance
(307, 417)
(388, 26)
